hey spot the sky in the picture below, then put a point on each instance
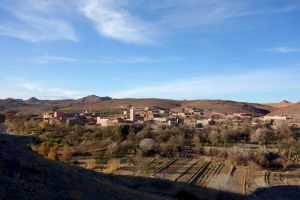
(242, 50)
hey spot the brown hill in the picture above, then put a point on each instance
(281, 104)
(224, 106)
(108, 104)
(124, 104)
(292, 109)
(93, 99)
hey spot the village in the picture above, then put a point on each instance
(235, 152)
(155, 117)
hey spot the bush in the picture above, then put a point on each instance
(66, 154)
(52, 155)
(239, 157)
(149, 146)
(44, 149)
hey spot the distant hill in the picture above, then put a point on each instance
(96, 103)
(224, 106)
(9, 103)
(33, 100)
(93, 99)
(291, 109)
(281, 104)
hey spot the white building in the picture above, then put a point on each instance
(131, 114)
(160, 119)
(275, 118)
(102, 121)
(47, 115)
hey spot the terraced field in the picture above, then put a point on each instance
(154, 166)
(175, 169)
(191, 173)
(205, 172)
(237, 181)
(211, 171)
(284, 178)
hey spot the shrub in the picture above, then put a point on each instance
(149, 146)
(52, 155)
(44, 149)
(112, 166)
(66, 154)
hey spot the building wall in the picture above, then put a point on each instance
(102, 122)
(132, 114)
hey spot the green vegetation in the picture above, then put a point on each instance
(64, 142)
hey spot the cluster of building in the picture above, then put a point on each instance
(192, 117)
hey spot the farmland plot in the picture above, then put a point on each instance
(284, 178)
(154, 165)
(175, 169)
(237, 181)
(192, 172)
(210, 173)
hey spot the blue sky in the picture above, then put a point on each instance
(244, 50)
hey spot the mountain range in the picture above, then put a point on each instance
(97, 103)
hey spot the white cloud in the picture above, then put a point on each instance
(25, 88)
(31, 86)
(281, 49)
(35, 22)
(118, 60)
(113, 21)
(48, 59)
(256, 82)
(195, 13)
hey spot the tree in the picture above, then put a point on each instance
(262, 135)
(224, 133)
(148, 146)
(214, 138)
(197, 143)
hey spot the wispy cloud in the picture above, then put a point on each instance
(25, 88)
(115, 22)
(281, 49)
(32, 86)
(119, 20)
(182, 15)
(256, 82)
(118, 60)
(35, 22)
(48, 59)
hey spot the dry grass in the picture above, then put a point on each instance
(112, 166)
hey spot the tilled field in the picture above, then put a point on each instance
(175, 169)
(237, 181)
(205, 172)
(209, 175)
(190, 174)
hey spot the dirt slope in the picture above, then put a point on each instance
(26, 175)
(293, 109)
(224, 106)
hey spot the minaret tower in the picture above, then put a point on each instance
(132, 114)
